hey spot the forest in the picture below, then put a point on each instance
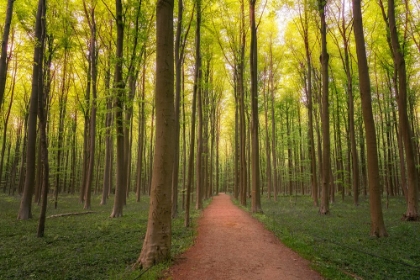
(176, 101)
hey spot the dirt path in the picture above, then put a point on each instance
(233, 245)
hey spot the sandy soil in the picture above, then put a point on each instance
(233, 245)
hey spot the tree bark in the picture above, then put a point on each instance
(255, 157)
(25, 210)
(377, 222)
(405, 128)
(325, 122)
(42, 116)
(157, 243)
(4, 46)
(120, 190)
(198, 88)
(90, 15)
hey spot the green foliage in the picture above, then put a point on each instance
(339, 245)
(91, 246)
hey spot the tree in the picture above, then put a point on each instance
(377, 223)
(120, 190)
(157, 242)
(4, 45)
(405, 128)
(25, 210)
(198, 86)
(255, 157)
(326, 158)
(42, 116)
(90, 16)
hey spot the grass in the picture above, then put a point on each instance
(339, 244)
(91, 246)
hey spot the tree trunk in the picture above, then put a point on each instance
(25, 210)
(178, 72)
(142, 122)
(5, 125)
(62, 112)
(198, 88)
(4, 46)
(120, 190)
(325, 122)
(377, 222)
(308, 89)
(92, 125)
(405, 128)
(108, 138)
(256, 200)
(242, 121)
(157, 243)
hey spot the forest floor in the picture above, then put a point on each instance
(231, 244)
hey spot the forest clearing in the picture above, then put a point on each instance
(307, 113)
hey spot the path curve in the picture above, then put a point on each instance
(233, 245)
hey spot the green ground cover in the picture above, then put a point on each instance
(91, 246)
(339, 244)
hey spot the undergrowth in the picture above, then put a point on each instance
(91, 246)
(339, 245)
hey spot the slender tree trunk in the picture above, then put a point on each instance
(120, 190)
(405, 128)
(157, 243)
(273, 126)
(142, 122)
(191, 158)
(325, 122)
(308, 87)
(178, 72)
(4, 46)
(108, 138)
(242, 121)
(92, 125)
(377, 222)
(198, 88)
(40, 26)
(256, 200)
(25, 210)
(62, 112)
(267, 143)
(6, 122)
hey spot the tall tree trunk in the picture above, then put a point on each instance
(325, 122)
(157, 243)
(5, 125)
(92, 125)
(191, 156)
(108, 137)
(42, 117)
(62, 112)
(198, 87)
(242, 121)
(40, 26)
(256, 200)
(406, 131)
(4, 46)
(267, 141)
(308, 89)
(120, 190)
(178, 72)
(377, 222)
(142, 142)
(25, 210)
(273, 126)
(352, 133)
